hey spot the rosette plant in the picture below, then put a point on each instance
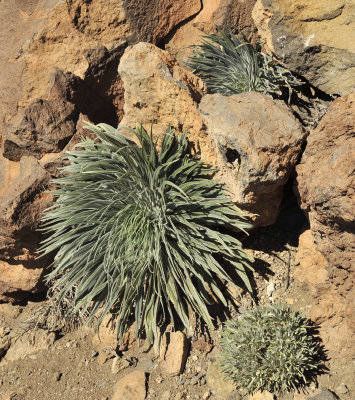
(230, 65)
(269, 348)
(142, 231)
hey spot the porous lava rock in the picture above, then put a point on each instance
(258, 142)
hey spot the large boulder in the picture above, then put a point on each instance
(325, 183)
(313, 38)
(236, 14)
(325, 186)
(59, 63)
(158, 91)
(63, 35)
(258, 142)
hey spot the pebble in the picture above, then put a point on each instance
(57, 376)
(206, 395)
(342, 389)
(165, 395)
(194, 380)
(181, 380)
(159, 379)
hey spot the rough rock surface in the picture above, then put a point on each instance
(29, 343)
(59, 63)
(131, 387)
(158, 91)
(312, 262)
(45, 127)
(52, 34)
(173, 353)
(325, 184)
(314, 38)
(21, 204)
(258, 142)
(235, 14)
(264, 395)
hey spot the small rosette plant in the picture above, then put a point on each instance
(230, 65)
(269, 348)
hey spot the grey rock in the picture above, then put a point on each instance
(324, 395)
(258, 142)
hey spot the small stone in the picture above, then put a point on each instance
(165, 395)
(159, 379)
(194, 358)
(206, 395)
(194, 380)
(57, 376)
(94, 354)
(215, 378)
(102, 384)
(324, 395)
(105, 354)
(262, 395)
(131, 387)
(173, 353)
(119, 364)
(342, 389)
(202, 345)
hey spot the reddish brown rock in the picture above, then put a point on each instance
(203, 345)
(173, 353)
(325, 185)
(312, 262)
(45, 127)
(21, 204)
(131, 387)
(21, 201)
(235, 14)
(258, 142)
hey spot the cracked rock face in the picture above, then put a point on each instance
(325, 186)
(59, 66)
(314, 39)
(258, 142)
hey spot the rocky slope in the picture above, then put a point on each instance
(120, 61)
